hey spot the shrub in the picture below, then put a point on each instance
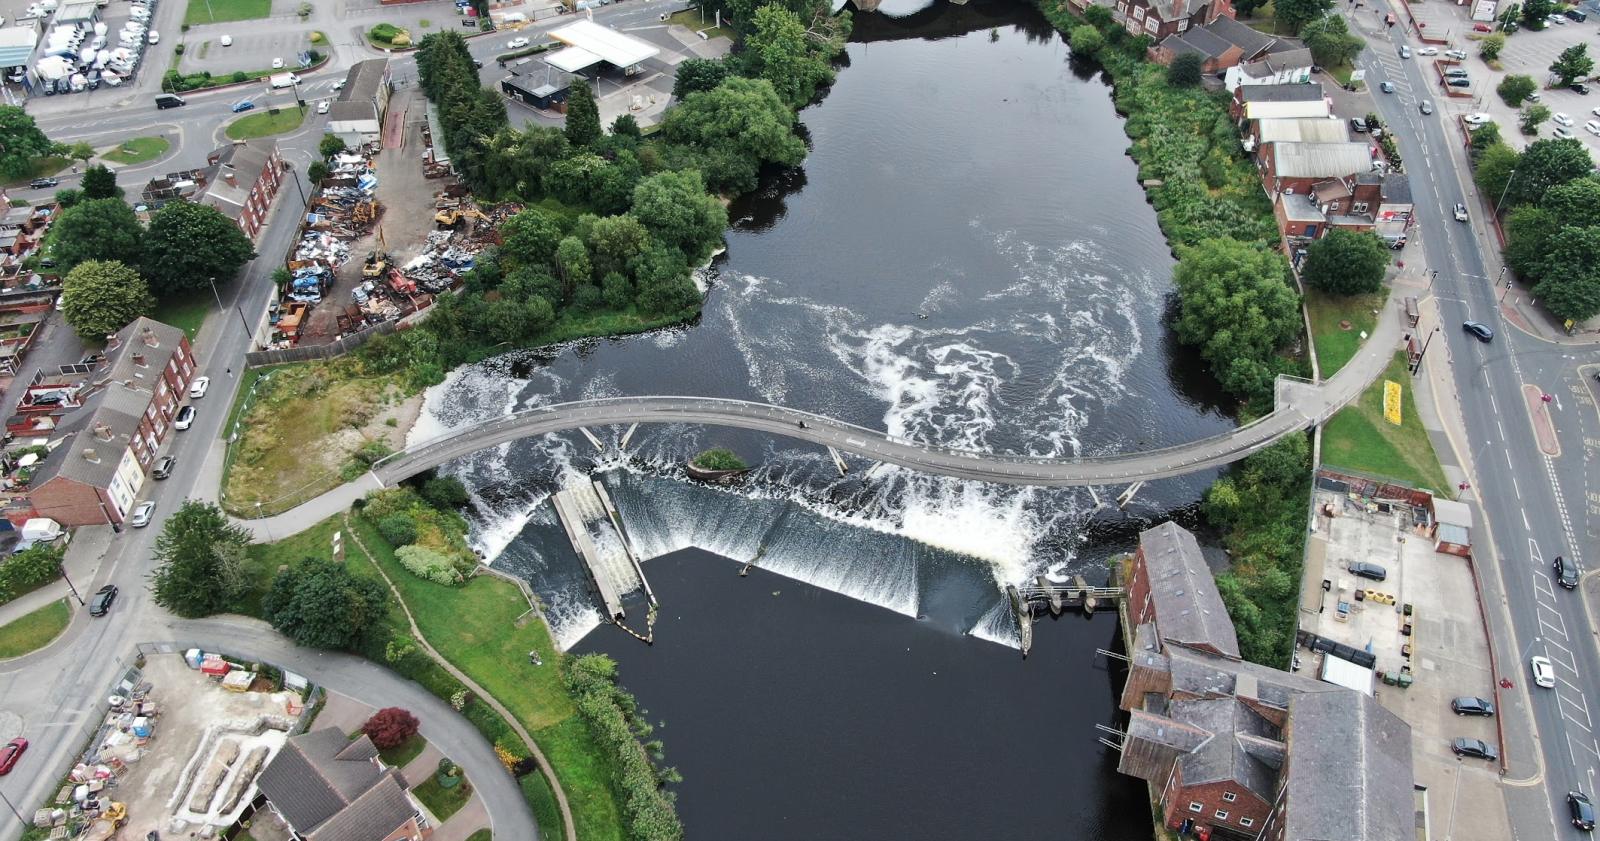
(612, 715)
(390, 727)
(385, 32)
(445, 493)
(398, 529)
(719, 459)
(428, 565)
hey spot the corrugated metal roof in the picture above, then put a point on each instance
(16, 45)
(605, 42)
(1320, 160)
(1301, 129)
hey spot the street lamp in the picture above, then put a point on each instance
(242, 319)
(74, 590)
(1503, 192)
(1418, 367)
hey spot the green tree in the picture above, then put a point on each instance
(614, 240)
(330, 145)
(625, 126)
(1576, 203)
(1547, 164)
(1531, 117)
(1570, 287)
(572, 261)
(446, 493)
(68, 198)
(317, 172)
(190, 244)
(743, 117)
(696, 75)
(319, 604)
(81, 152)
(675, 209)
(1493, 169)
(20, 142)
(1087, 41)
(104, 229)
(1534, 13)
(1514, 89)
(1185, 70)
(1487, 135)
(778, 49)
(100, 183)
(529, 238)
(1574, 63)
(1509, 15)
(199, 558)
(1298, 13)
(1491, 46)
(583, 114)
(1331, 42)
(1346, 262)
(1531, 233)
(99, 298)
(1237, 309)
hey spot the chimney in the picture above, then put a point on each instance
(112, 341)
(91, 456)
(102, 432)
(138, 359)
(228, 177)
(150, 338)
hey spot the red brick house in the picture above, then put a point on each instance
(99, 454)
(1160, 18)
(241, 180)
(1300, 167)
(1222, 44)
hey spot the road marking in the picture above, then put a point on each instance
(1514, 485)
(1525, 520)
(1577, 722)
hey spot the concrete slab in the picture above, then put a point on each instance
(418, 770)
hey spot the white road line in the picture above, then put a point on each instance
(1525, 521)
(1514, 485)
(1551, 627)
(1577, 722)
(1569, 685)
(1565, 649)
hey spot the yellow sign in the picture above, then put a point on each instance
(1391, 401)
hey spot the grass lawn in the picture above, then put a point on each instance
(483, 835)
(1336, 345)
(185, 312)
(43, 167)
(442, 802)
(401, 755)
(35, 630)
(691, 19)
(266, 124)
(220, 11)
(1360, 438)
(138, 150)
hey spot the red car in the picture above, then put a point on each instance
(1482, 27)
(11, 753)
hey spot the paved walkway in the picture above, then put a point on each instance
(462, 824)
(82, 564)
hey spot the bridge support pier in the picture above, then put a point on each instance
(872, 471)
(1127, 495)
(838, 461)
(1095, 495)
(593, 440)
(626, 437)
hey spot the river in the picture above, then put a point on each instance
(965, 258)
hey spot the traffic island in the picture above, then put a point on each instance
(1544, 427)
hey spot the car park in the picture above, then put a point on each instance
(1426, 107)
(11, 753)
(1481, 331)
(1469, 705)
(198, 388)
(100, 602)
(1365, 569)
(163, 468)
(1475, 748)
(244, 105)
(1544, 674)
(1561, 118)
(185, 418)
(1460, 212)
(142, 515)
(1566, 572)
(1581, 810)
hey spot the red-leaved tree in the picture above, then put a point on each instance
(390, 726)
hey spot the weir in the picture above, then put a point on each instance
(1029, 601)
(595, 529)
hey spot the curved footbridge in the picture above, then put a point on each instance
(1299, 404)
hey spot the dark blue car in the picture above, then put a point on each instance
(244, 106)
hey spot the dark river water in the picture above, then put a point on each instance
(965, 258)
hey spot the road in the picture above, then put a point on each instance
(1551, 745)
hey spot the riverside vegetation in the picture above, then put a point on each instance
(1237, 307)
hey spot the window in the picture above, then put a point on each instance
(1228, 796)
(1247, 822)
(1196, 806)
(1222, 814)
(1151, 23)
(1138, 14)
(1183, 25)
(1361, 207)
(1333, 207)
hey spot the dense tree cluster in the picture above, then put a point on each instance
(319, 604)
(1237, 308)
(99, 298)
(20, 142)
(1331, 42)
(1346, 262)
(1553, 227)
(200, 562)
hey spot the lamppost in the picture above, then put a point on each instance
(236, 308)
(1503, 293)
(289, 165)
(1418, 367)
(1503, 192)
(13, 809)
(74, 590)
(116, 529)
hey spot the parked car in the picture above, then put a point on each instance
(197, 389)
(42, 183)
(1428, 51)
(338, 86)
(1482, 27)
(1566, 572)
(322, 107)
(277, 64)
(1561, 118)
(1593, 127)
(1544, 674)
(1358, 124)
(1533, 96)
(1476, 119)
(1563, 132)
(100, 603)
(1581, 809)
(1472, 706)
(155, 37)
(1458, 55)
(227, 40)
(1556, 19)
(142, 515)
(163, 467)
(1455, 73)
(1365, 569)
(11, 753)
(1482, 331)
(1475, 748)
(1459, 82)
(1580, 88)
(244, 105)
(1460, 211)
(1426, 107)
(1576, 16)
(185, 418)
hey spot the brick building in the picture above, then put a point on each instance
(328, 787)
(241, 180)
(1161, 18)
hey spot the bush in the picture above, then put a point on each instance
(445, 493)
(385, 32)
(398, 529)
(178, 50)
(719, 459)
(390, 727)
(428, 565)
(612, 715)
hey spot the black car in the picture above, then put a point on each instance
(1582, 810)
(1483, 333)
(1472, 706)
(100, 605)
(1580, 88)
(1476, 748)
(42, 183)
(1368, 570)
(1566, 572)
(163, 468)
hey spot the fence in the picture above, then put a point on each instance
(303, 353)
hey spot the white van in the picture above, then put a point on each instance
(285, 80)
(514, 17)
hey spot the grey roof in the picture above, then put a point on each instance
(1202, 673)
(1350, 776)
(1319, 160)
(1162, 730)
(362, 82)
(97, 434)
(1245, 38)
(1281, 93)
(1301, 128)
(1350, 220)
(1396, 188)
(330, 789)
(1171, 9)
(144, 337)
(1187, 607)
(1275, 62)
(1223, 757)
(246, 161)
(1299, 208)
(340, 112)
(1197, 40)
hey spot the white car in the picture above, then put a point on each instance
(339, 86)
(1563, 133)
(1544, 674)
(517, 43)
(322, 107)
(277, 64)
(1480, 119)
(198, 388)
(1428, 51)
(227, 40)
(1592, 127)
(142, 515)
(1561, 119)
(1458, 55)
(155, 37)
(185, 418)
(1460, 211)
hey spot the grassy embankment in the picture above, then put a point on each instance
(1360, 438)
(34, 630)
(138, 150)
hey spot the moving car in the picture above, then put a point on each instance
(1405, 52)
(1483, 333)
(1582, 810)
(1386, 87)
(516, 43)
(322, 107)
(244, 105)
(1561, 118)
(11, 753)
(1566, 572)
(100, 603)
(163, 467)
(338, 86)
(185, 418)
(1460, 211)
(1365, 569)
(1476, 748)
(1428, 51)
(227, 40)
(198, 387)
(42, 183)
(142, 515)
(1544, 674)
(1426, 107)
(1472, 706)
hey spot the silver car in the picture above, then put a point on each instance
(142, 515)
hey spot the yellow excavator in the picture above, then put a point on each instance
(375, 265)
(452, 217)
